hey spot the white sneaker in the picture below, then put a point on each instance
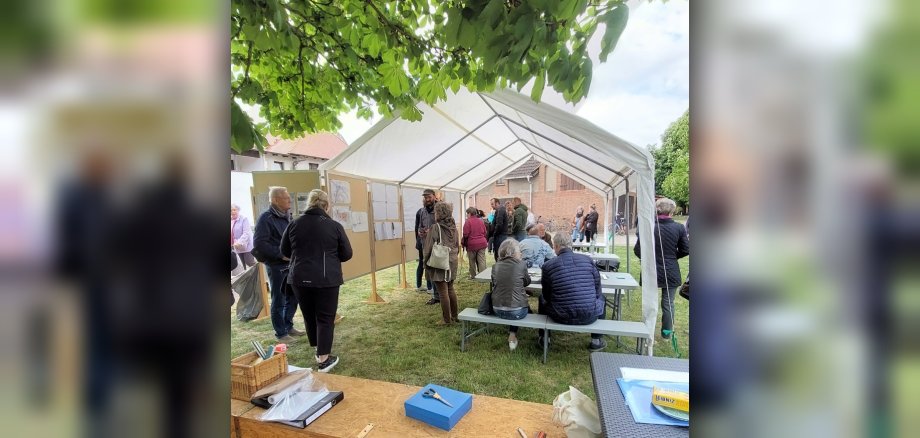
(512, 344)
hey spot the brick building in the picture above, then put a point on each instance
(551, 195)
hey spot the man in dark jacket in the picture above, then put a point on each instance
(317, 247)
(590, 225)
(671, 243)
(519, 221)
(424, 219)
(571, 290)
(267, 249)
(499, 225)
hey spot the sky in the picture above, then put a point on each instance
(643, 86)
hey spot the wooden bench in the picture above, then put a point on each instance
(381, 403)
(601, 326)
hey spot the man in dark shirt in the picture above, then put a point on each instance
(499, 225)
(424, 218)
(267, 248)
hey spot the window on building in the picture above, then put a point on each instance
(500, 182)
(279, 165)
(232, 164)
(314, 166)
(566, 183)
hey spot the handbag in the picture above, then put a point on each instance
(577, 414)
(684, 290)
(485, 304)
(440, 254)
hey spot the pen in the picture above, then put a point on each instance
(521, 431)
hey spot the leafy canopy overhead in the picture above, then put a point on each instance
(306, 62)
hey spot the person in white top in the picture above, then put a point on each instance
(241, 236)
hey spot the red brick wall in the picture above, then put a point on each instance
(555, 205)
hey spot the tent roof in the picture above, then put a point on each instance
(465, 142)
(471, 139)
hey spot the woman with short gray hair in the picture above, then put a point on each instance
(241, 236)
(509, 278)
(671, 243)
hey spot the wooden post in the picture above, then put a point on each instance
(402, 244)
(264, 313)
(374, 298)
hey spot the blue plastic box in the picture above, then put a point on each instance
(434, 412)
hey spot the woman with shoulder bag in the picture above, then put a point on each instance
(443, 235)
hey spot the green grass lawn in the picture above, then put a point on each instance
(399, 342)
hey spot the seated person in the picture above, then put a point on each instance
(534, 251)
(571, 290)
(509, 278)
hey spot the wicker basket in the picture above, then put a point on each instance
(246, 379)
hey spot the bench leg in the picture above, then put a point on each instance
(463, 336)
(545, 344)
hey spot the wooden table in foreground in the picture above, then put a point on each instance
(381, 403)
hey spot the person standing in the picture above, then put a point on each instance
(578, 233)
(267, 249)
(519, 222)
(474, 241)
(671, 243)
(241, 236)
(444, 232)
(499, 225)
(424, 219)
(317, 246)
(590, 224)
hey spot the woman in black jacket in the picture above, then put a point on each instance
(317, 247)
(671, 243)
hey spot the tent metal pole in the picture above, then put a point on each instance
(626, 215)
(607, 222)
(563, 146)
(483, 161)
(449, 148)
(570, 165)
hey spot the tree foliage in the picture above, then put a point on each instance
(672, 162)
(306, 62)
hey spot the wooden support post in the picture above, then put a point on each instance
(402, 244)
(374, 298)
(263, 279)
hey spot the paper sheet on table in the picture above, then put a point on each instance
(658, 375)
(638, 395)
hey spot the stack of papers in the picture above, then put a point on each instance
(636, 385)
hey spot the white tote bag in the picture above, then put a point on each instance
(577, 414)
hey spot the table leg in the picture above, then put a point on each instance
(463, 335)
(545, 344)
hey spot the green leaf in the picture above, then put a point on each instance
(467, 35)
(494, 13)
(616, 21)
(452, 29)
(537, 92)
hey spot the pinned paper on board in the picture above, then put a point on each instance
(342, 215)
(301, 203)
(340, 191)
(392, 195)
(380, 211)
(393, 211)
(359, 221)
(378, 192)
(378, 231)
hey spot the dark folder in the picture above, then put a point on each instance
(319, 408)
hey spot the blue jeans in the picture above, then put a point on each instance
(577, 236)
(511, 314)
(419, 271)
(284, 303)
(520, 235)
(497, 242)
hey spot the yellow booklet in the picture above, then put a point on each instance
(670, 398)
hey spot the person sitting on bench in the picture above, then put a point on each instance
(571, 290)
(509, 278)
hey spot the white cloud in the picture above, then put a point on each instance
(645, 83)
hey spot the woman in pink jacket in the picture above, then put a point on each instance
(475, 241)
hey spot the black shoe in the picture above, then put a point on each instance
(549, 341)
(432, 301)
(597, 345)
(295, 332)
(328, 364)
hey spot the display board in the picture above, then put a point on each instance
(455, 199)
(349, 200)
(298, 182)
(412, 202)
(387, 223)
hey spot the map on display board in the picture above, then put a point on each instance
(412, 202)
(342, 215)
(339, 191)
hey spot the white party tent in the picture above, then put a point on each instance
(468, 141)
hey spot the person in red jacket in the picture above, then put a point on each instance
(474, 241)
